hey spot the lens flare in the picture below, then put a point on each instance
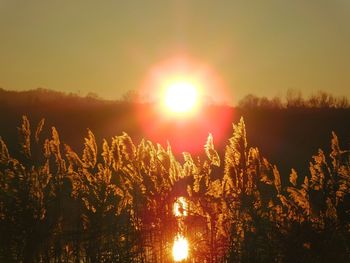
(185, 73)
(180, 207)
(180, 248)
(168, 117)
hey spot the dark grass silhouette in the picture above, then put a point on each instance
(113, 202)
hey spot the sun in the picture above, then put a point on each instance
(180, 85)
(180, 248)
(181, 96)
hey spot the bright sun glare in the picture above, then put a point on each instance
(181, 96)
(180, 248)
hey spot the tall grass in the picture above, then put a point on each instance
(114, 204)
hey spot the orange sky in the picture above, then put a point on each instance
(109, 47)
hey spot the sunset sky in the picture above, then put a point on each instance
(109, 47)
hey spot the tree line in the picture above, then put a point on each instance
(115, 204)
(294, 99)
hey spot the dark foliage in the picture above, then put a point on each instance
(114, 203)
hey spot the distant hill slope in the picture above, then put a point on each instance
(287, 137)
